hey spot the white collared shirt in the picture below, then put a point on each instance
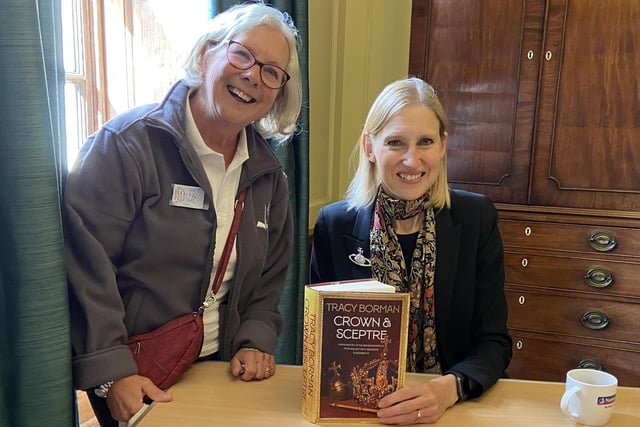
(224, 185)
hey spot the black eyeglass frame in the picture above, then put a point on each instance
(287, 77)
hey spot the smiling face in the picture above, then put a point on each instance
(407, 152)
(233, 97)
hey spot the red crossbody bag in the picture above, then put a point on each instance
(165, 354)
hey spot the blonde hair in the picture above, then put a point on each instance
(281, 121)
(394, 97)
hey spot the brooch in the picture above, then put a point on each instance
(359, 259)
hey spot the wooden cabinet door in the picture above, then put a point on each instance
(483, 59)
(587, 142)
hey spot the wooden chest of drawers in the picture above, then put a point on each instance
(573, 291)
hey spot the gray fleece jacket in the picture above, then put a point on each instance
(135, 262)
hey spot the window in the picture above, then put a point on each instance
(81, 75)
(122, 53)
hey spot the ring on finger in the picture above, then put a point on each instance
(418, 413)
(268, 370)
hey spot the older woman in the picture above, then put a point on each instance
(149, 204)
(440, 245)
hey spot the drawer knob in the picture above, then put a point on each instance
(589, 364)
(603, 241)
(598, 278)
(595, 320)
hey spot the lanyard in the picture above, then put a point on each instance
(226, 253)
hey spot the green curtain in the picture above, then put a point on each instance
(35, 356)
(294, 155)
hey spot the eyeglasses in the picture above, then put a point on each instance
(242, 58)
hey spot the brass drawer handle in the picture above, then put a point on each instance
(603, 241)
(598, 278)
(595, 320)
(589, 364)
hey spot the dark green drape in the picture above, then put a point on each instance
(294, 155)
(35, 355)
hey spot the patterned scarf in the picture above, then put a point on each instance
(388, 266)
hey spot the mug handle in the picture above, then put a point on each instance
(564, 403)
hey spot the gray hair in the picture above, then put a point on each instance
(281, 121)
(394, 97)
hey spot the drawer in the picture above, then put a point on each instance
(536, 358)
(597, 275)
(570, 237)
(575, 316)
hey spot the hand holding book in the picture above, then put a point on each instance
(424, 403)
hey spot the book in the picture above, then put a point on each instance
(354, 348)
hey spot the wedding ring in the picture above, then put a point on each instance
(418, 413)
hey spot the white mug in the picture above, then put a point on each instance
(589, 396)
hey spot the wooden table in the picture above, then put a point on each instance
(209, 396)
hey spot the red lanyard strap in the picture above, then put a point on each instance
(228, 246)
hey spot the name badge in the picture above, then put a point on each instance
(186, 196)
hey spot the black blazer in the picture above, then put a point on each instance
(470, 305)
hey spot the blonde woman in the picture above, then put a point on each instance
(401, 224)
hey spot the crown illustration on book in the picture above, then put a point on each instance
(375, 379)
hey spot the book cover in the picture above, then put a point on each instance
(354, 348)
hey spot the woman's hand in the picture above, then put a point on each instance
(252, 364)
(126, 396)
(423, 403)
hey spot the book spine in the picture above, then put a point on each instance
(310, 350)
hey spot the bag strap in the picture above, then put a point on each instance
(228, 247)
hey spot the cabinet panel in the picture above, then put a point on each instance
(587, 132)
(568, 315)
(599, 276)
(483, 63)
(570, 237)
(548, 360)
(542, 96)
